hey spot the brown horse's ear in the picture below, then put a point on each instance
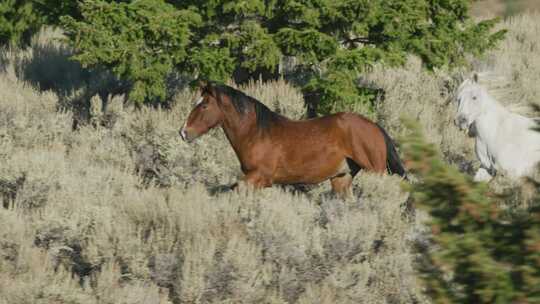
(201, 85)
(209, 88)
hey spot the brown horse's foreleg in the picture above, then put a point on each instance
(256, 180)
(342, 185)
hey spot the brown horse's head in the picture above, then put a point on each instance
(205, 115)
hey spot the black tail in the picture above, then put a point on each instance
(393, 163)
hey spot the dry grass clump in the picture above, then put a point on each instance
(515, 79)
(279, 96)
(427, 97)
(493, 8)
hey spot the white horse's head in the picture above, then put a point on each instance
(472, 101)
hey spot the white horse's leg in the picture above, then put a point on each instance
(482, 175)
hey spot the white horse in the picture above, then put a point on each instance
(505, 141)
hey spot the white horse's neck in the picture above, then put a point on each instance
(488, 121)
(495, 104)
(492, 108)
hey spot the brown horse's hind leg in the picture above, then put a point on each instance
(342, 185)
(375, 163)
(369, 156)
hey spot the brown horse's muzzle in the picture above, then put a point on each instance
(187, 135)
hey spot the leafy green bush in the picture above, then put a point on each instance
(18, 22)
(333, 41)
(141, 41)
(52, 10)
(480, 253)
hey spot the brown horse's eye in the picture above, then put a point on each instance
(204, 106)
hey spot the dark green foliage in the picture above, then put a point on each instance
(18, 22)
(333, 40)
(479, 253)
(338, 39)
(141, 41)
(340, 85)
(52, 10)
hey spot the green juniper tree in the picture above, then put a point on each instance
(479, 253)
(19, 20)
(140, 41)
(332, 40)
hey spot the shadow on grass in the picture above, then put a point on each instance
(48, 67)
(220, 189)
(293, 189)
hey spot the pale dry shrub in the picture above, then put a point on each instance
(428, 97)
(28, 117)
(279, 96)
(498, 8)
(513, 69)
(88, 225)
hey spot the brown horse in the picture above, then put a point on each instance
(273, 149)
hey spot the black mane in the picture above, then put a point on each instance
(264, 116)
